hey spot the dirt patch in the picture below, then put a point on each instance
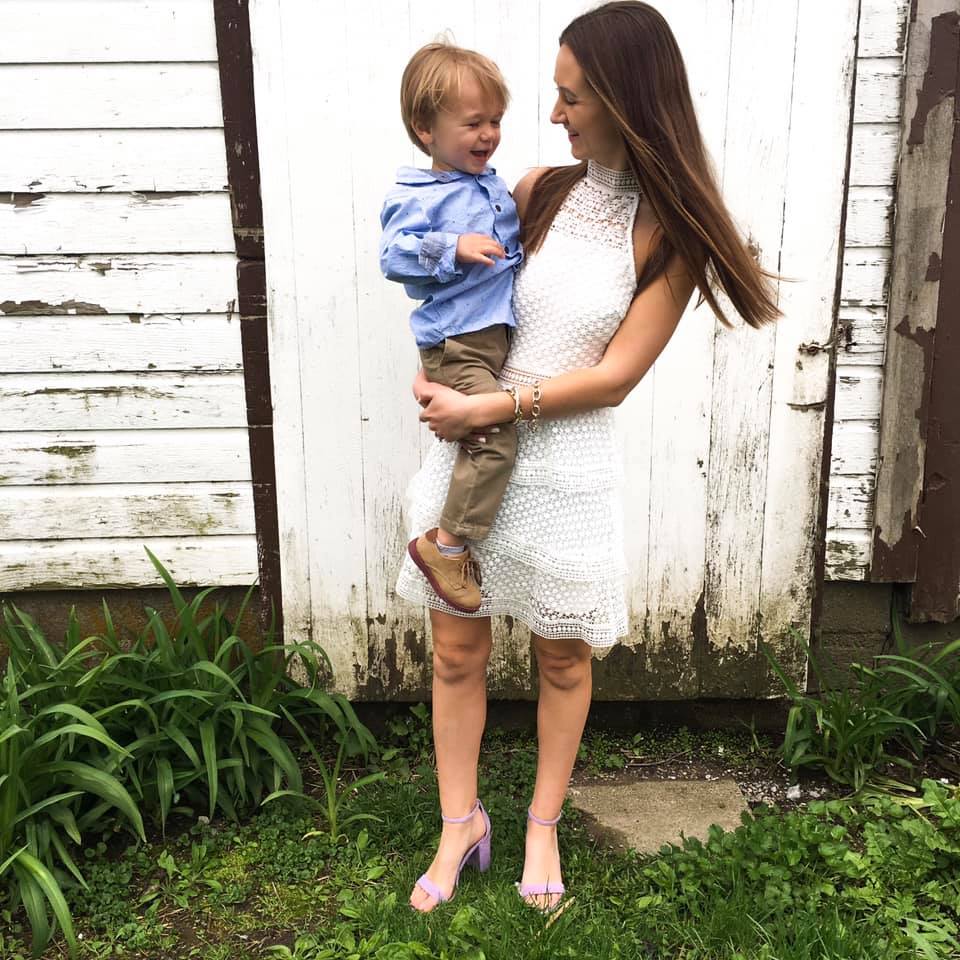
(773, 784)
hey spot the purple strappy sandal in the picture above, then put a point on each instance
(478, 855)
(528, 889)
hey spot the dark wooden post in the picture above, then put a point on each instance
(235, 59)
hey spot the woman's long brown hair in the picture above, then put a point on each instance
(630, 58)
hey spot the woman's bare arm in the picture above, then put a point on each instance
(524, 187)
(644, 332)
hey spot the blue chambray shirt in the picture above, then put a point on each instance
(423, 215)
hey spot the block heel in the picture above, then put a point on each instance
(481, 856)
(478, 855)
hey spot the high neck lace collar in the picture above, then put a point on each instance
(617, 181)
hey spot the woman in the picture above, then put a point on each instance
(615, 245)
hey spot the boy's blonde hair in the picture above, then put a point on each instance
(431, 81)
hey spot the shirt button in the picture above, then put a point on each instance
(497, 207)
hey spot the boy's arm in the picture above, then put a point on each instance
(410, 251)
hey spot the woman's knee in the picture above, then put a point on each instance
(454, 661)
(563, 663)
(461, 648)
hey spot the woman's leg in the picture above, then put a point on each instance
(461, 648)
(566, 679)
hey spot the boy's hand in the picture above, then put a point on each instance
(477, 248)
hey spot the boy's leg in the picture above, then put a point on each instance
(431, 359)
(470, 363)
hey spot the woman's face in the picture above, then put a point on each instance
(592, 132)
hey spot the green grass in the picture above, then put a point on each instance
(877, 879)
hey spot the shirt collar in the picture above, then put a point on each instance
(418, 175)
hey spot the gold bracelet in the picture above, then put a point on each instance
(517, 412)
(535, 409)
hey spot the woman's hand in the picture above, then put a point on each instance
(446, 411)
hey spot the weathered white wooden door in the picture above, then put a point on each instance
(723, 438)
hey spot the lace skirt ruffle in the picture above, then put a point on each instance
(554, 557)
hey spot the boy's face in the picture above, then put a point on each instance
(465, 135)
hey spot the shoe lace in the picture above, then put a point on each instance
(467, 567)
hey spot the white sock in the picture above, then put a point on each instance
(450, 551)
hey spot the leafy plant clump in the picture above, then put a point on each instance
(57, 777)
(901, 704)
(189, 719)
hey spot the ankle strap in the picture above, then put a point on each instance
(545, 823)
(473, 810)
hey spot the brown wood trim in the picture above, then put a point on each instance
(235, 59)
(936, 593)
(926, 131)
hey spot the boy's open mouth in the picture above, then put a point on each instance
(481, 154)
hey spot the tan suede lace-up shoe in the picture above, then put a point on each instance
(455, 579)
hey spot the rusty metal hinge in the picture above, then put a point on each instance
(814, 347)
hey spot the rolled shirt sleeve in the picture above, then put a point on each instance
(410, 252)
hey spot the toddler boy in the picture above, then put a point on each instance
(451, 236)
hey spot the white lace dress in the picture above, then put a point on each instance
(554, 557)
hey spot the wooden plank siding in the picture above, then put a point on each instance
(138, 387)
(128, 31)
(112, 161)
(864, 298)
(123, 414)
(804, 389)
(917, 529)
(736, 556)
(38, 223)
(129, 342)
(113, 510)
(743, 360)
(936, 594)
(104, 96)
(121, 562)
(95, 457)
(926, 141)
(114, 401)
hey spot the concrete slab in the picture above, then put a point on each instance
(648, 813)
